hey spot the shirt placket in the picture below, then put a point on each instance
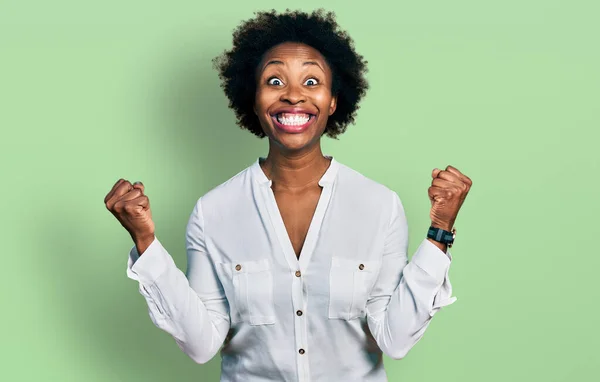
(298, 269)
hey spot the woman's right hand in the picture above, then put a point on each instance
(131, 207)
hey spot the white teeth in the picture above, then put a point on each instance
(293, 119)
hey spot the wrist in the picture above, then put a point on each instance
(444, 226)
(441, 235)
(143, 241)
(142, 236)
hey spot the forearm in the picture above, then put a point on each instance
(443, 247)
(400, 322)
(198, 323)
(199, 328)
(142, 243)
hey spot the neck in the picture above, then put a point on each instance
(295, 171)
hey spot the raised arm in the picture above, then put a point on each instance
(191, 307)
(406, 295)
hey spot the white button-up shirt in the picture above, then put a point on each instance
(325, 316)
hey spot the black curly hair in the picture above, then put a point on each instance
(254, 37)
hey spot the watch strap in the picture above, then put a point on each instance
(441, 235)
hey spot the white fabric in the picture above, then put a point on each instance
(358, 294)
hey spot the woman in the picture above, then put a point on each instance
(297, 265)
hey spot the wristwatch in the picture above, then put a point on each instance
(441, 235)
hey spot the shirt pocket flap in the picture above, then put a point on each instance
(249, 290)
(344, 263)
(350, 281)
(253, 266)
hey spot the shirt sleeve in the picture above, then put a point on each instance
(191, 307)
(406, 295)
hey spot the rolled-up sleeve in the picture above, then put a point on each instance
(191, 307)
(406, 295)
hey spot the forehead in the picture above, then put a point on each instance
(290, 52)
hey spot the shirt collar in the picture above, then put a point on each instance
(327, 178)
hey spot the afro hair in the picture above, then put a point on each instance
(254, 37)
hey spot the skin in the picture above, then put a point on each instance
(447, 193)
(291, 75)
(294, 160)
(295, 75)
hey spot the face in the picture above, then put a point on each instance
(293, 96)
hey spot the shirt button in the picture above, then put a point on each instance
(361, 267)
(299, 312)
(298, 274)
(301, 351)
(238, 267)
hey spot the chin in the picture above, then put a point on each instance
(291, 141)
(295, 142)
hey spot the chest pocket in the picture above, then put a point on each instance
(350, 283)
(250, 291)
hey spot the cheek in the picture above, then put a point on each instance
(262, 101)
(322, 98)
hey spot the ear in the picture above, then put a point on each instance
(333, 104)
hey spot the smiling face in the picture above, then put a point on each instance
(293, 96)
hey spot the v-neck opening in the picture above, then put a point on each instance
(326, 182)
(309, 238)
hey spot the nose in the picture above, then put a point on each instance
(293, 94)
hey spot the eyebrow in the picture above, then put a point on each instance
(277, 62)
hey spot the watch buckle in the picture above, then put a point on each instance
(453, 236)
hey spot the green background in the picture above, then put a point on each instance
(506, 91)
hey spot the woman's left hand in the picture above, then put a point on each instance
(447, 193)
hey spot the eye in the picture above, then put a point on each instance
(274, 81)
(311, 82)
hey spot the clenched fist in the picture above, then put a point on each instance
(447, 193)
(131, 207)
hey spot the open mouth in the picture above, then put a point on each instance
(293, 122)
(293, 119)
